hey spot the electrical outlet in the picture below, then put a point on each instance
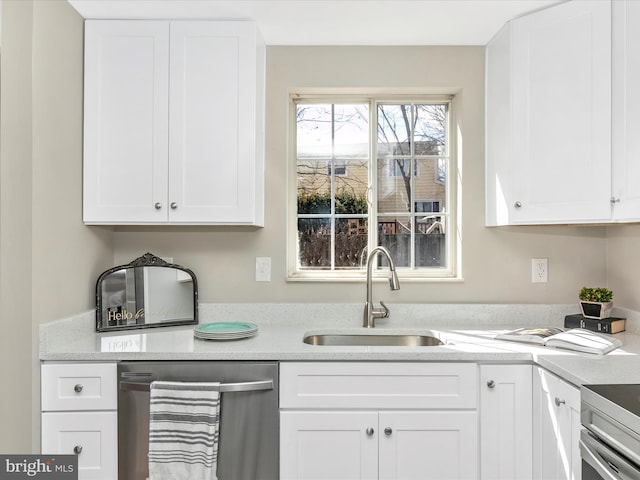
(263, 269)
(539, 270)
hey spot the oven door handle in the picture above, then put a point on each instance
(224, 387)
(604, 461)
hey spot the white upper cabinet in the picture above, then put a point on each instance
(174, 123)
(626, 111)
(548, 117)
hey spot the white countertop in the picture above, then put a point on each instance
(467, 333)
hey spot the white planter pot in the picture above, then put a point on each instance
(597, 310)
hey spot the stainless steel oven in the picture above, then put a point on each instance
(249, 418)
(610, 440)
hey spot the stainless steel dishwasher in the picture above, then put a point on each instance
(249, 417)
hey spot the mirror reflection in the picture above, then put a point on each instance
(146, 293)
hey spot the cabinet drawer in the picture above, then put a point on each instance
(378, 385)
(91, 435)
(84, 386)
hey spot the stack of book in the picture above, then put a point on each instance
(603, 325)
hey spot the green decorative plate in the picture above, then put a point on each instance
(225, 330)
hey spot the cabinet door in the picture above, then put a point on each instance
(498, 157)
(91, 435)
(626, 110)
(215, 157)
(556, 430)
(505, 422)
(434, 445)
(561, 114)
(328, 445)
(125, 121)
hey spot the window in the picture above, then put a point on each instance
(376, 162)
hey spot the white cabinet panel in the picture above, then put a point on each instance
(556, 416)
(328, 445)
(90, 435)
(549, 117)
(378, 385)
(437, 445)
(125, 120)
(87, 386)
(506, 422)
(626, 111)
(213, 145)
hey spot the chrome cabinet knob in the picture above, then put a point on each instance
(174, 205)
(158, 205)
(77, 387)
(77, 449)
(491, 384)
(370, 431)
(559, 402)
(517, 204)
(388, 431)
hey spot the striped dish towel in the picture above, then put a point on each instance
(184, 424)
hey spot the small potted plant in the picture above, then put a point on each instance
(595, 302)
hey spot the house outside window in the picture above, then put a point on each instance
(371, 171)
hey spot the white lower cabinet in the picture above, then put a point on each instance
(79, 416)
(328, 445)
(556, 428)
(505, 422)
(93, 436)
(378, 421)
(383, 444)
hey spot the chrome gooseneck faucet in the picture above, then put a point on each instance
(370, 311)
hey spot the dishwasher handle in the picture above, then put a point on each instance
(224, 387)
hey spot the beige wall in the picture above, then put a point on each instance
(496, 263)
(623, 265)
(48, 259)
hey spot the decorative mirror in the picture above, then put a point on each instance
(148, 292)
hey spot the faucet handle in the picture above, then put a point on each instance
(385, 311)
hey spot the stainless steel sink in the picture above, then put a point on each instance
(370, 340)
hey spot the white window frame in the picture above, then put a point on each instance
(454, 238)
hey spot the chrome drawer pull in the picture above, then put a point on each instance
(78, 387)
(559, 402)
(77, 449)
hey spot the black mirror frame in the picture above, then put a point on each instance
(146, 260)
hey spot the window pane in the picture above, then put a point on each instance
(430, 129)
(351, 242)
(351, 188)
(394, 185)
(394, 233)
(351, 131)
(314, 187)
(394, 129)
(429, 192)
(314, 243)
(314, 131)
(431, 244)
